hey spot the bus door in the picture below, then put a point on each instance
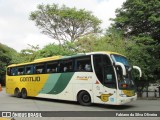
(105, 86)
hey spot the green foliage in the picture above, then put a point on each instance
(64, 23)
(29, 54)
(139, 20)
(6, 56)
(113, 41)
(142, 54)
(139, 17)
(53, 50)
(86, 43)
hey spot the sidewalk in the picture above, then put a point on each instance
(148, 98)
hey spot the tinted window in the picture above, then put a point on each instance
(40, 68)
(29, 69)
(52, 67)
(68, 65)
(98, 67)
(84, 64)
(21, 71)
(104, 70)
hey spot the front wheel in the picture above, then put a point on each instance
(24, 93)
(84, 98)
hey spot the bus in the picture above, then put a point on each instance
(95, 77)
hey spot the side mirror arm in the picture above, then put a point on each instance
(139, 69)
(122, 66)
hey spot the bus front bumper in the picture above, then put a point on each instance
(124, 100)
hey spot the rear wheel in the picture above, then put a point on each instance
(24, 93)
(17, 93)
(84, 98)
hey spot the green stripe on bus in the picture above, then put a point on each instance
(51, 82)
(62, 83)
(56, 83)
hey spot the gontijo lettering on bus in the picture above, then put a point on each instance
(30, 79)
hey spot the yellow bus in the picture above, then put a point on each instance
(96, 77)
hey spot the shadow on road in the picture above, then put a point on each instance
(115, 107)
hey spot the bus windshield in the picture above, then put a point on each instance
(124, 82)
(121, 59)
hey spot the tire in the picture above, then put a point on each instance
(17, 93)
(24, 93)
(84, 98)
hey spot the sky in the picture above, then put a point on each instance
(17, 31)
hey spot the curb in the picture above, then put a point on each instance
(148, 98)
(5, 118)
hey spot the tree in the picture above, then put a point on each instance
(139, 20)
(86, 43)
(54, 50)
(29, 54)
(6, 57)
(64, 23)
(139, 17)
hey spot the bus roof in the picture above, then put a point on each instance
(62, 57)
(105, 52)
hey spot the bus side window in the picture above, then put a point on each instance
(84, 64)
(13, 71)
(20, 70)
(29, 69)
(52, 67)
(39, 69)
(60, 67)
(68, 65)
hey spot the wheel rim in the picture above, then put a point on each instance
(16, 92)
(86, 98)
(24, 93)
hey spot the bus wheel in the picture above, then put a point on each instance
(24, 93)
(17, 93)
(84, 98)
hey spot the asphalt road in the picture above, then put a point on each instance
(11, 103)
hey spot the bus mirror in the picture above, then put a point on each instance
(122, 66)
(139, 69)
